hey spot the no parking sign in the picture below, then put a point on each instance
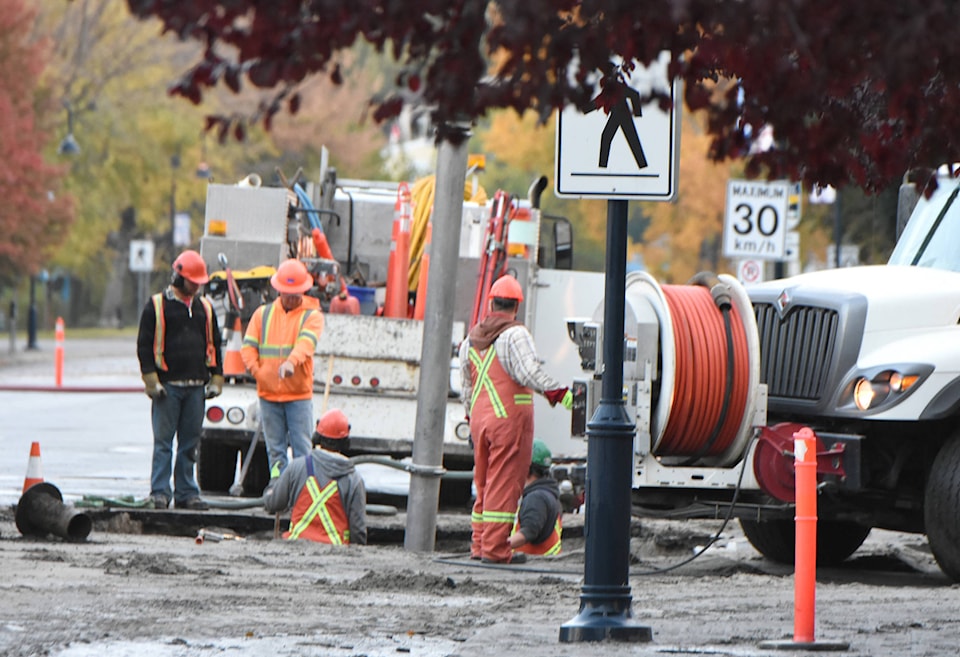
(750, 271)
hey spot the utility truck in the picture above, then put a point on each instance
(349, 233)
(720, 378)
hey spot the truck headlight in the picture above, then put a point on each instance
(871, 392)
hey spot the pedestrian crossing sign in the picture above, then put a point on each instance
(630, 152)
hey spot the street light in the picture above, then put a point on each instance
(32, 311)
(174, 165)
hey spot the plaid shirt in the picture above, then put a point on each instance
(518, 357)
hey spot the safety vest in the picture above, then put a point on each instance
(270, 349)
(503, 394)
(318, 514)
(159, 332)
(550, 546)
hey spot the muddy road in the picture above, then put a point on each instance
(123, 592)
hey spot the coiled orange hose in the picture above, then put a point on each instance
(707, 411)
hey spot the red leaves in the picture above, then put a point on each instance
(850, 100)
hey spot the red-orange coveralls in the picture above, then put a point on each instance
(501, 424)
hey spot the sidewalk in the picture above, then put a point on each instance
(100, 362)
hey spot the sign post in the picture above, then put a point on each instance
(141, 263)
(630, 152)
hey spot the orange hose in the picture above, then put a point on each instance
(697, 424)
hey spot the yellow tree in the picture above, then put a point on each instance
(684, 237)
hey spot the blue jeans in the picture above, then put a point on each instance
(180, 413)
(286, 424)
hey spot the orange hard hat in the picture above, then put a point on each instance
(333, 424)
(191, 266)
(506, 287)
(292, 277)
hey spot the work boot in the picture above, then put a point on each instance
(157, 502)
(194, 504)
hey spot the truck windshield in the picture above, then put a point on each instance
(931, 236)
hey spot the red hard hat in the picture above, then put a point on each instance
(333, 424)
(191, 266)
(292, 277)
(507, 287)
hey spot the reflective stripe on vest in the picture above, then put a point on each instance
(549, 547)
(160, 330)
(484, 382)
(271, 350)
(324, 519)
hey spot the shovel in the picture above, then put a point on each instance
(236, 490)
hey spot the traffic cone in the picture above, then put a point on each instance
(232, 362)
(34, 473)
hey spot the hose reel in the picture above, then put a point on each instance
(703, 343)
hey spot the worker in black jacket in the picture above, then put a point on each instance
(178, 346)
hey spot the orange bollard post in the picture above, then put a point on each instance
(805, 549)
(805, 555)
(58, 353)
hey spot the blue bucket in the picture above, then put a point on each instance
(367, 298)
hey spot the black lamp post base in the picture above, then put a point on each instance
(609, 620)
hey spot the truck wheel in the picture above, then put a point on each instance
(775, 539)
(940, 517)
(216, 466)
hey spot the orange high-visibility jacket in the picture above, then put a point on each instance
(274, 336)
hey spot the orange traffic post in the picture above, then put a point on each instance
(805, 549)
(58, 353)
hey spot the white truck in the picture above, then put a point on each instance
(369, 365)
(868, 357)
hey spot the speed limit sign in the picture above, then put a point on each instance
(755, 219)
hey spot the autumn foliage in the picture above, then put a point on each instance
(33, 214)
(857, 91)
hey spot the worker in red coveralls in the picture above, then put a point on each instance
(499, 370)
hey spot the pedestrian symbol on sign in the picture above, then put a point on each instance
(621, 118)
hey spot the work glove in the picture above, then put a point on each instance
(286, 369)
(152, 386)
(214, 387)
(560, 395)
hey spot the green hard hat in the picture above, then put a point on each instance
(541, 454)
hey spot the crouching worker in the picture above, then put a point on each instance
(537, 527)
(324, 490)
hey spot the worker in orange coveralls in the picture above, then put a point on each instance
(499, 370)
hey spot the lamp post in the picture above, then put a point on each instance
(174, 165)
(32, 315)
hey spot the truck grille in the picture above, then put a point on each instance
(796, 352)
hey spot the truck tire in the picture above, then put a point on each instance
(216, 465)
(775, 539)
(940, 516)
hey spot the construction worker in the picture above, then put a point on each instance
(278, 351)
(178, 346)
(537, 528)
(499, 369)
(324, 490)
